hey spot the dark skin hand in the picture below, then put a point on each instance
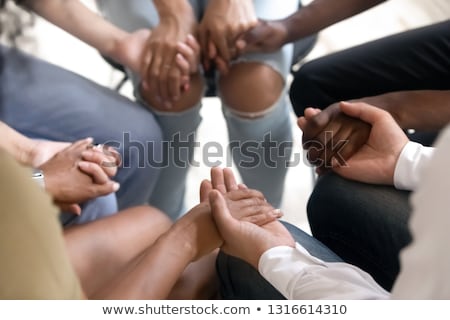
(330, 134)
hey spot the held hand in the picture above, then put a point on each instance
(129, 50)
(266, 36)
(197, 227)
(331, 134)
(223, 23)
(67, 184)
(160, 74)
(375, 161)
(244, 239)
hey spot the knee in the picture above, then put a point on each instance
(251, 87)
(188, 99)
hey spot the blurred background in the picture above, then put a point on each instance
(58, 47)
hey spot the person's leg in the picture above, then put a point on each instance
(239, 280)
(366, 225)
(46, 102)
(34, 261)
(101, 249)
(91, 210)
(412, 60)
(257, 111)
(178, 124)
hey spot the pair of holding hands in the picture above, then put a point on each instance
(76, 172)
(170, 54)
(238, 220)
(356, 140)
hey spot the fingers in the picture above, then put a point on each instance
(71, 208)
(218, 180)
(222, 66)
(220, 212)
(205, 188)
(98, 190)
(107, 163)
(173, 86)
(230, 180)
(244, 193)
(81, 144)
(363, 111)
(264, 216)
(93, 170)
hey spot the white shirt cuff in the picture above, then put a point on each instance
(279, 264)
(408, 170)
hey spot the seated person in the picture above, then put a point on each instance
(57, 105)
(388, 157)
(132, 255)
(77, 176)
(406, 74)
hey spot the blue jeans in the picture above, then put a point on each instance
(265, 172)
(43, 101)
(239, 280)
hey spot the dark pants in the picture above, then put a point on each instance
(414, 60)
(239, 280)
(367, 225)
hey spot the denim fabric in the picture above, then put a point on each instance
(43, 101)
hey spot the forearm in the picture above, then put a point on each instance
(75, 18)
(16, 144)
(321, 14)
(157, 270)
(424, 110)
(179, 10)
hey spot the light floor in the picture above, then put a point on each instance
(394, 16)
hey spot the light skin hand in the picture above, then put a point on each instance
(244, 239)
(375, 161)
(197, 227)
(159, 71)
(222, 25)
(104, 156)
(331, 134)
(68, 184)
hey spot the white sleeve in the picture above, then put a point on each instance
(298, 275)
(426, 262)
(408, 170)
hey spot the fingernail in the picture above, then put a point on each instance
(168, 105)
(83, 165)
(278, 212)
(89, 139)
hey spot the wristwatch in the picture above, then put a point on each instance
(38, 176)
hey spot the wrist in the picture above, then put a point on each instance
(26, 153)
(173, 9)
(179, 242)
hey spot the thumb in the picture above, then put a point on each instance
(362, 111)
(205, 189)
(67, 207)
(221, 215)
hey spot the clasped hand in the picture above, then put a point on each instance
(77, 172)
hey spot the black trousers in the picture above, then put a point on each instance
(367, 225)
